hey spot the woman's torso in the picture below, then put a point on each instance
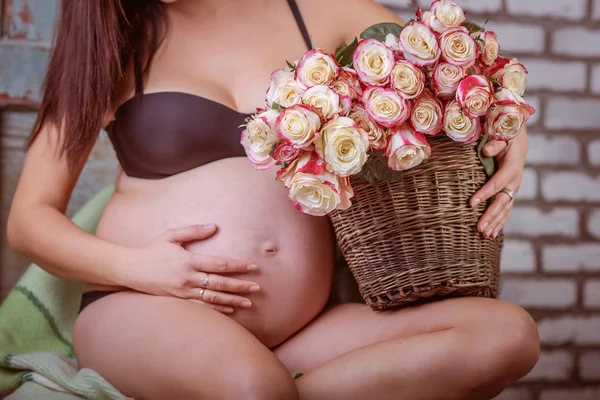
(230, 68)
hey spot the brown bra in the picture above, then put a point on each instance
(156, 135)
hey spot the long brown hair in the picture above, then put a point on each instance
(96, 41)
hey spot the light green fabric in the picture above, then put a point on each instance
(36, 329)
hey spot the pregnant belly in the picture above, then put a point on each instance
(256, 223)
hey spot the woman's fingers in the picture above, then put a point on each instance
(500, 226)
(486, 222)
(216, 307)
(204, 263)
(497, 182)
(189, 233)
(495, 148)
(222, 298)
(495, 224)
(225, 283)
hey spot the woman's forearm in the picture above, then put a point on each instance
(55, 243)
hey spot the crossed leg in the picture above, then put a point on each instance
(467, 348)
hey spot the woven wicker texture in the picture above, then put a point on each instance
(407, 241)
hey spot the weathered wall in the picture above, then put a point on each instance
(552, 257)
(26, 27)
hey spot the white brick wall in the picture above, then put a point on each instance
(570, 9)
(594, 153)
(563, 76)
(553, 365)
(589, 365)
(570, 329)
(518, 256)
(596, 79)
(576, 42)
(531, 221)
(565, 113)
(571, 186)
(554, 150)
(555, 293)
(518, 37)
(571, 258)
(591, 295)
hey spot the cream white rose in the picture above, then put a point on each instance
(259, 137)
(316, 68)
(324, 100)
(408, 80)
(284, 89)
(458, 47)
(489, 47)
(513, 77)
(419, 44)
(377, 135)
(343, 146)
(386, 107)
(448, 13)
(315, 191)
(427, 115)
(446, 78)
(299, 125)
(406, 148)
(460, 127)
(373, 62)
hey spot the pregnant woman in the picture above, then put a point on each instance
(204, 282)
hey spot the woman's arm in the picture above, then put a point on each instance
(38, 228)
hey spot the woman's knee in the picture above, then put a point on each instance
(504, 346)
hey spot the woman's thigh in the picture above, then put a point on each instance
(346, 327)
(152, 347)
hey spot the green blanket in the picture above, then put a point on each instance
(36, 326)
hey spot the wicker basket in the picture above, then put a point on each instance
(407, 241)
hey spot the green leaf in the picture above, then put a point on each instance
(290, 65)
(488, 162)
(283, 165)
(380, 31)
(344, 53)
(472, 27)
(272, 149)
(277, 107)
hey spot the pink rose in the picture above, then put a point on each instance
(474, 95)
(285, 152)
(489, 47)
(506, 118)
(316, 68)
(386, 107)
(428, 18)
(315, 191)
(406, 148)
(284, 89)
(347, 84)
(299, 125)
(373, 62)
(324, 100)
(458, 47)
(448, 13)
(408, 80)
(427, 115)
(259, 137)
(419, 44)
(446, 78)
(343, 146)
(377, 135)
(460, 127)
(497, 65)
(513, 76)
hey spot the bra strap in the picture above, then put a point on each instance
(300, 23)
(138, 74)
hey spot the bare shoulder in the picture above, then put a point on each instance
(358, 15)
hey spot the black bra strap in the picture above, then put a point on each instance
(300, 22)
(138, 74)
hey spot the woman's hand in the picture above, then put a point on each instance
(164, 267)
(511, 161)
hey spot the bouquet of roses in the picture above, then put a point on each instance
(381, 96)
